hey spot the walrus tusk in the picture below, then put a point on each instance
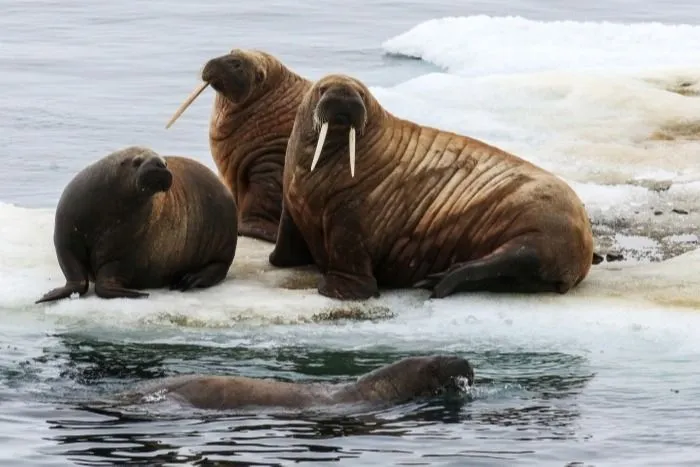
(319, 145)
(351, 143)
(197, 91)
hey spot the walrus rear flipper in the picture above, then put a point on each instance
(511, 268)
(208, 276)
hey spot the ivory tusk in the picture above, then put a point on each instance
(197, 91)
(319, 145)
(351, 144)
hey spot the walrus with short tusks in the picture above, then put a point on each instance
(136, 220)
(251, 120)
(401, 381)
(419, 206)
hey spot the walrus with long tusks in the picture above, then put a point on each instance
(136, 220)
(401, 381)
(251, 120)
(375, 200)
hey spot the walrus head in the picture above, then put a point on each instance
(338, 104)
(152, 174)
(236, 76)
(148, 169)
(441, 373)
(416, 377)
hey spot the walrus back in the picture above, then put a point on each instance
(438, 197)
(231, 392)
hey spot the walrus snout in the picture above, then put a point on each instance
(449, 368)
(341, 108)
(229, 76)
(154, 176)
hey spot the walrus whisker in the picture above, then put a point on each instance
(319, 145)
(351, 143)
(197, 91)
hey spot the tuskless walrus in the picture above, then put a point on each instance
(136, 220)
(401, 381)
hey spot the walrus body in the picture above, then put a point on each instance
(401, 381)
(252, 117)
(427, 208)
(136, 220)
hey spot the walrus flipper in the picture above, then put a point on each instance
(72, 259)
(349, 274)
(208, 276)
(266, 231)
(108, 286)
(107, 290)
(513, 267)
(261, 207)
(290, 249)
(64, 292)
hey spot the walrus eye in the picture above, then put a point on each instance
(259, 76)
(137, 162)
(322, 90)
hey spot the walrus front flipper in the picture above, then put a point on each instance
(261, 206)
(262, 230)
(64, 292)
(512, 267)
(290, 249)
(107, 286)
(208, 276)
(72, 259)
(111, 290)
(349, 274)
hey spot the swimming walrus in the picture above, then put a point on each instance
(419, 206)
(136, 220)
(251, 120)
(409, 378)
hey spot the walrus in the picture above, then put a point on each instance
(401, 381)
(251, 120)
(136, 220)
(418, 206)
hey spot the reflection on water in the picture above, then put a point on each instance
(527, 399)
(111, 439)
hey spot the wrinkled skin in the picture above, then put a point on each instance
(252, 118)
(406, 379)
(426, 208)
(135, 220)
